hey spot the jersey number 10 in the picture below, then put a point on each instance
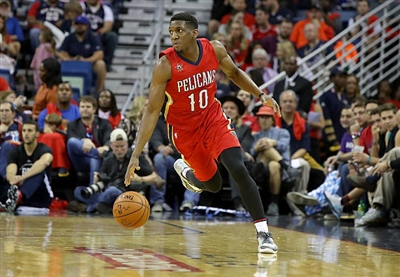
(203, 100)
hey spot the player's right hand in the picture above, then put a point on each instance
(130, 171)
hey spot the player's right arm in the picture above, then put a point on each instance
(162, 73)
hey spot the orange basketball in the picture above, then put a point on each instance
(131, 209)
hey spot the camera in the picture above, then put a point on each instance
(90, 190)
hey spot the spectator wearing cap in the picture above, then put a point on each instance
(325, 32)
(54, 137)
(110, 178)
(234, 108)
(332, 103)
(271, 147)
(84, 45)
(13, 27)
(293, 81)
(51, 11)
(101, 20)
(88, 138)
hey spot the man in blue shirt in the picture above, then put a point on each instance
(68, 111)
(84, 45)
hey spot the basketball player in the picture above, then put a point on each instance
(196, 124)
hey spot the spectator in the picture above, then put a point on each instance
(28, 172)
(13, 27)
(72, 9)
(248, 61)
(351, 89)
(165, 154)
(64, 107)
(331, 18)
(111, 178)
(293, 81)
(237, 43)
(237, 18)
(18, 103)
(373, 31)
(7, 45)
(54, 137)
(101, 20)
(325, 32)
(84, 45)
(332, 102)
(50, 74)
(263, 28)
(10, 134)
(313, 44)
(277, 13)
(88, 138)
(51, 11)
(108, 108)
(248, 118)
(385, 93)
(240, 6)
(261, 73)
(270, 42)
(45, 50)
(218, 10)
(272, 148)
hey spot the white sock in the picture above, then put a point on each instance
(185, 171)
(261, 226)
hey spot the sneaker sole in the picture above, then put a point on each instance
(302, 199)
(296, 210)
(12, 200)
(334, 211)
(267, 251)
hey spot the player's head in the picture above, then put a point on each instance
(190, 21)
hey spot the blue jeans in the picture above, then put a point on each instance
(108, 196)
(163, 165)
(4, 150)
(191, 196)
(110, 42)
(345, 187)
(83, 161)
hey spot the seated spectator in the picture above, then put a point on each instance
(110, 178)
(272, 148)
(84, 45)
(270, 42)
(313, 43)
(385, 93)
(237, 43)
(45, 50)
(248, 118)
(51, 11)
(101, 20)
(248, 60)
(331, 17)
(240, 6)
(277, 13)
(50, 74)
(18, 103)
(88, 138)
(28, 173)
(13, 26)
(3, 85)
(72, 9)
(218, 10)
(65, 107)
(325, 32)
(10, 134)
(263, 28)
(108, 108)
(7, 45)
(261, 73)
(352, 89)
(54, 138)
(293, 81)
(225, 29)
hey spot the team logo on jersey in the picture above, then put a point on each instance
(179, 67)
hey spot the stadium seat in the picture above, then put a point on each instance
(79, 74)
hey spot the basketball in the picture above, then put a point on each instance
(131, 210)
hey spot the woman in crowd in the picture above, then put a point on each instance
(108, 108)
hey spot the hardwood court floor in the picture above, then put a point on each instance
(81, 246)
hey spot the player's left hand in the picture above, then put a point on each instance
(270, 102)
(130, 171)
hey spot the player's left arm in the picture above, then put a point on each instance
(240, 78)
(39, 166)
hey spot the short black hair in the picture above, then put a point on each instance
(189, 19)
(32, 122)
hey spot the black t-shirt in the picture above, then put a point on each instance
(116, 169)
(24, 162)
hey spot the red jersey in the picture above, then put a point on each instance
(191, 90)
